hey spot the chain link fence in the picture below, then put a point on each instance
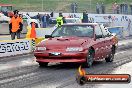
(63, 5)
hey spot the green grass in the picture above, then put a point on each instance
(60, 5)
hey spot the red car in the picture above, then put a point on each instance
(81, 43)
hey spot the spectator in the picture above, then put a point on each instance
(44, 21)
(114, 7)
(21, 23)
(38, 17)
(121, 8)
(47, 18)
(75, 7)
(118, 9)
(85, 17)
(131, 8)
(102, 8)
(72, 7)
(97, 8)
(126, 8)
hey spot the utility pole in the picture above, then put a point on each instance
(74, 8)
(26, 4)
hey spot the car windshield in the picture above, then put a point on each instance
(74, 30)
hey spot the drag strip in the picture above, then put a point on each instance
(24, 72)
(61, 75)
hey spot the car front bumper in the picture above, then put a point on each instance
(64, 57)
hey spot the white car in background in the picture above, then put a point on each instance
(29, 20)
(4, 18)
(73, 20)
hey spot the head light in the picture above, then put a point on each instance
(74, 49)
(41, 48)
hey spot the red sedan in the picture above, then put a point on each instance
(81, 43)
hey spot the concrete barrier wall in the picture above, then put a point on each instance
(15, 47)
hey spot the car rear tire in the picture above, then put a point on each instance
(43, 64)
(90, 58)
(110, 58)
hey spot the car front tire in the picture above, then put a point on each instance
(110, 58)
(90, 58)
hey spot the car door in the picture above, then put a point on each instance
(107, 41)
(99, 43)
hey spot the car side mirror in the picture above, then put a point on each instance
(48, 36)
(98, 36)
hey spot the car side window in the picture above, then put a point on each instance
(106, 32)
(98, 32)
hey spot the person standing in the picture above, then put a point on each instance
(14, 25)
(60, 20)
(72, 7)
(44, 21)
(102, 8)
(33, 32)
(20, 23)
(97, 8)
(75, 7)
(85, 17)
(126, 8)
(131, 8)
(114, 7)
(47, 18)
(121, 8)
(38, 17)
(118, 9)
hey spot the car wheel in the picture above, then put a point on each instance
(90, 58)
(110, 58)
(43, 64)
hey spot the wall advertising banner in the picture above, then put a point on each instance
(15, 47)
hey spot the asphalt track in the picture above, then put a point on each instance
(24, 72)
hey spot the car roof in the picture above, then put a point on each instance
(70, 24)
(71, 18)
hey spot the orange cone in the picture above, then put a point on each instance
(33, 32)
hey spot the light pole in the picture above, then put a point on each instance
(26, 4)
(74, 8)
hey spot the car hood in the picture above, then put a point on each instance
(63, 42)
